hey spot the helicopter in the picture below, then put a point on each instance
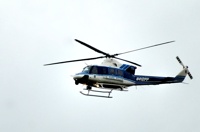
(112, 75)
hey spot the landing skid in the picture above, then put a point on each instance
(89, 89)
(95, 95)
(97, 91)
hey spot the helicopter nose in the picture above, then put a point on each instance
(77, 77)
(81, 79)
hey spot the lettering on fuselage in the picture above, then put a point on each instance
(142, 79)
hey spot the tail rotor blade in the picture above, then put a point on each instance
(184, 67)
(179, 60)
(190, 75)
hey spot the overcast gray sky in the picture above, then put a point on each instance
(34, 98)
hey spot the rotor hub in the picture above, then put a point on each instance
(111, 62)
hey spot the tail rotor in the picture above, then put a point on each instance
(185, 68)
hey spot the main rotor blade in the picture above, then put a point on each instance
(143, 48)
(89, 46)
(75, 60)
(128, 61)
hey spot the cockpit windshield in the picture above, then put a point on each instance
(86, 69)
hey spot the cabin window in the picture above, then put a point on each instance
(119, 72)
(102, 70)
(94, 70)
(105, 70)
(111, 71)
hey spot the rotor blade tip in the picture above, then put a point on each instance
(76, 40)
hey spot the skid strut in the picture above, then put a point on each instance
(97, 91)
